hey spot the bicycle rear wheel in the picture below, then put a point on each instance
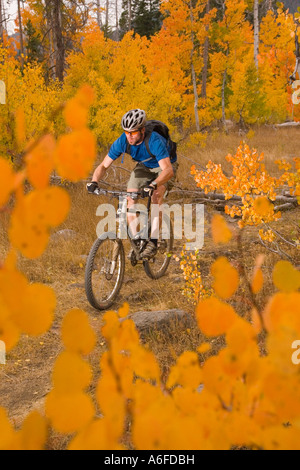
(156, 267)
(104, 272)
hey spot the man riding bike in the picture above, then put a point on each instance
(154, 174)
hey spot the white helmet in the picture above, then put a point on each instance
(134, 119)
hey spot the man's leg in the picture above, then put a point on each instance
(156, 222)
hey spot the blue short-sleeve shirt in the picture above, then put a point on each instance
(157, 145)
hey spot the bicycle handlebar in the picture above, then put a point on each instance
(133, 195)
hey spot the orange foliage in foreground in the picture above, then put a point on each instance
(238, 397)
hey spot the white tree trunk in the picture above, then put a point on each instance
(256, 33)
(205, 57)
(1, 22)
(129, 15)
(106, 14)
(21, 33)
(117, 20)
(193, 73)
(99, 21)
(223, 97)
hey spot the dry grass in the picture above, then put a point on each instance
(26, 378)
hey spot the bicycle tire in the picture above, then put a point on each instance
(149, 265)
(92, 288)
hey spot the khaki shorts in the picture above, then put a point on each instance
(142, 175)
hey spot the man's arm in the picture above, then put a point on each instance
(101, 169)
(167, 171)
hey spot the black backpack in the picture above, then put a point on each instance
(161, 129)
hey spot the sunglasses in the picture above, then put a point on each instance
(132, 132)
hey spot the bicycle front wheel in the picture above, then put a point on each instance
(156, 268)
(104, 272)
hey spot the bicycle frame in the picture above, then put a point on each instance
(122, 212)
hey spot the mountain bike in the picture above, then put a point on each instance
(105, 266)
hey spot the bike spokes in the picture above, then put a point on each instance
(105, 272)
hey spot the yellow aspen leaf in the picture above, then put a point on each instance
(11, 281)
(77, 333)
(75, 154)
(240, 337)
(128, 336)
(31, 240)
(286, 277)
(226, 278)
(282, 311)
(69, 412)
(85, 95)
(75, 114)
(33, 216)
(6, 181)
(36, 311)
(19, 177)
(283, 393)
(279, 346)
(220, 230)
(215, 317)
(124, 310)
(95, 436)
(111, 326)
(33, 434)
(203, 348)
(186, 372)
(71, 374)
(263, 207)
(11, 259)
(256, 321)
(40, 162)
(257, 281)
(9, 333)
(145, 394)
(7, 433)
(49, 206)
(151, 429)
(281, 438)
(26, 235)
(215, 379)
(145, 364)
(112, 403)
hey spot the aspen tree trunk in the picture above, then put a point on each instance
(193, 73)
(58, 40)
(270, 6)
(205, 57)
(117, 20)
(99, 22)
(49, 21)
(224, 76)
(21, 34)
(223, 97)
(256, 33)
(293, 77)
(106, 15)
(1, 23)
(196, 98)
(129, 15)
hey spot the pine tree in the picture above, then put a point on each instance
(143, 17)
(32, 43)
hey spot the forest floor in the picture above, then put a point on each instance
(25, 380)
